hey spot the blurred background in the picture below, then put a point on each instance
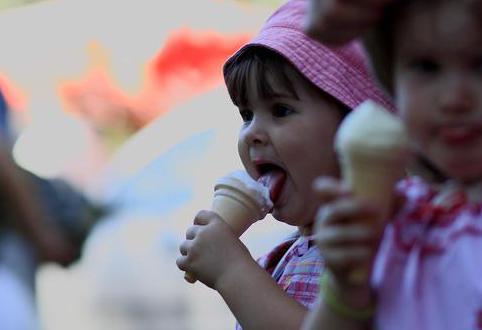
(123, 100)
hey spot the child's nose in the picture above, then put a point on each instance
(255, 133)
(457, 94)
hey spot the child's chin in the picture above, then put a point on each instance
(284, 217)
(278, 215)
(467, 173)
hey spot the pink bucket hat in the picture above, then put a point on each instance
(341, 72)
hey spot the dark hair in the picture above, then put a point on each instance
(380, 41)
(266, 66)
(261, 63)
(380, 46)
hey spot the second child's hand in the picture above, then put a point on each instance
(336, 22)
(344, 238)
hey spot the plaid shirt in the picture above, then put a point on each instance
(296, 265)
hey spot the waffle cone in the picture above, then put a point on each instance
(373, 148)
(373, 183)
(236, 208)
(238, 204)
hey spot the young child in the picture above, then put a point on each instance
(291, 93)
(428, 268)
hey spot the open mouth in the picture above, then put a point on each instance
(273, 177)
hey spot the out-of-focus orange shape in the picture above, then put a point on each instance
(14, 96)
(190, 63)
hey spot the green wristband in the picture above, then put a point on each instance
(335, 303)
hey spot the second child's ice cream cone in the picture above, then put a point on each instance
(373, 149)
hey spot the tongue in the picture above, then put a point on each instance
(273, 180)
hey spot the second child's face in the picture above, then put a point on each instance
(438, 84)
(294, 135)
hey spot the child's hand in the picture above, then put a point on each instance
(344, 233)
(339, 21)
(211, 250)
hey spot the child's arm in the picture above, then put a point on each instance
(346, 242)
(339, 21)
(215, 256)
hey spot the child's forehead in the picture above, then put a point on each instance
(275, 83)
(439, 24)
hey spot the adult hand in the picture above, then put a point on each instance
(335, 22)
(211, 250)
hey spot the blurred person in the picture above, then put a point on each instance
(291, 93)
(41, 221)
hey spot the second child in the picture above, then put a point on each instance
(428, 268)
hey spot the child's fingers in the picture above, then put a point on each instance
(192, 231)
(185, 247)
(204, 217)
(181, 262)
(328, 189)
(345, 235)
(347, 257)
(346, 210)
(355, 12)
(336, 22)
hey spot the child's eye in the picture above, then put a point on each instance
(282, 110)
(424, 65)
(246, 115)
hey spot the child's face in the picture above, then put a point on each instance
(296, 135)
(438, 84)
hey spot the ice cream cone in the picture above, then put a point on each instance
(373, 149)
(239, 201)
(236, 206)
(374, 180)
